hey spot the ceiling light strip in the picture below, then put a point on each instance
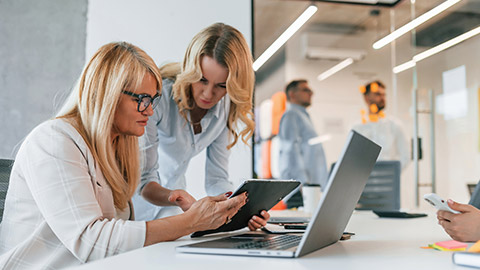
(345, 63)
(404, 66)
(447, 44)
(292, 29)
(414, 23)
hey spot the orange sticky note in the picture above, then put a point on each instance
(475, 247)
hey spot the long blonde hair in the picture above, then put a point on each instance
(91, 109)
(228, 47)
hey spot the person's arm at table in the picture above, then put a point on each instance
(205, 214)
(154, 193)
(463, 227)
(150, 188)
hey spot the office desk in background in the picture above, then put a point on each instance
(378, 243)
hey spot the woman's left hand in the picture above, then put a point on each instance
(181, 198)
(257, 222)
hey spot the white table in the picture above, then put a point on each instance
(379, 243)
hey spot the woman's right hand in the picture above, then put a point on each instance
(212, 212)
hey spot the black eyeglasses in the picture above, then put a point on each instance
(144, 100)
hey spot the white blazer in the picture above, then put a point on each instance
(59, 210)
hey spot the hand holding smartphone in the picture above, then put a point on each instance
(438, 202)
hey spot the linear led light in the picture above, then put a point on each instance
(292, 29)
(404, 66)
(414, 23)
(345, 63)
(447, 44)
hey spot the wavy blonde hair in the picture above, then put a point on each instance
(91, 109)
(228, 47)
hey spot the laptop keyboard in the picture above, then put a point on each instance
(280, 242)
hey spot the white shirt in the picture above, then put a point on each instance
(59, 209)
(168, 145)
(387, 133)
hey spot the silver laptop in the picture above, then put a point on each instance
(326, 226)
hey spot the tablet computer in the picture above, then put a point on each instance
(262, 195)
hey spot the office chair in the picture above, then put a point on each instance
(382, 191)
(5, 169)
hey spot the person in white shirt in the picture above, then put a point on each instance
(384, 130)
(205, 99)
(69, 196)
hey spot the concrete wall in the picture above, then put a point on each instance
(42, 48)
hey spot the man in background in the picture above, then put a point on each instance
(298, 159)
(385, 131)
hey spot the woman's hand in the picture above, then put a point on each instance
(181, 198)
(464, 227)
(257, 222)
(212, 212)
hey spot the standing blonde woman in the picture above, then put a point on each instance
(205, 100)
(69, 196)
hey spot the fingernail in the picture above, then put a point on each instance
(254, 218)
(450, 201)
(228, 194)
(264, 213)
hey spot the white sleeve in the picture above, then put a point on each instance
(216, 167)
(58, 176)
(149, 151)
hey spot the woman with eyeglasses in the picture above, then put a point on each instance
(206, 104)
(69, 197)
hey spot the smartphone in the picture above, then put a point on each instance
(438, 202)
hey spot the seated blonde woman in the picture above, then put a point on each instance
(69, 200)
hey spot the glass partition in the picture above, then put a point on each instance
(445, 84)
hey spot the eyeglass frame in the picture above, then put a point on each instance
(140, 98)
(306, 90)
